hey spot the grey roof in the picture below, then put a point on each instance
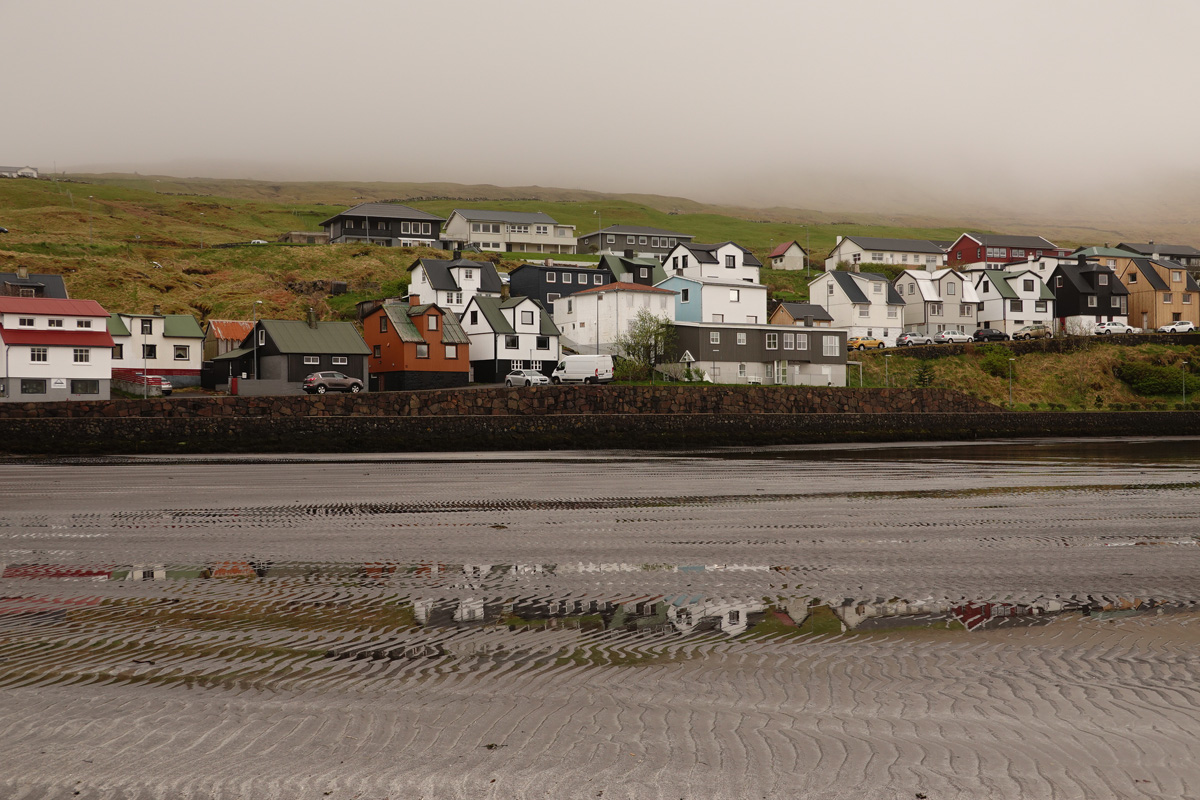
(384, 211)
(855, 294)
(1148, 249)
(705, 252)
(441, 278)
(518, 217)
(616, 265)
(899, 245)
(294, 336)
(802, 310)
(1146, 267)
(492, 309)
(1026, 242)
(402, 315)
(640, 230)
(1075, 274)
(51, 285)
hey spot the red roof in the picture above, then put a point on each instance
(621, 286)
(51, 305)
(56, 338)
(778, 251)
(234, 329)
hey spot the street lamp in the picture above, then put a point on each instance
(1010, 363)
(599, 297)
(254, 333)
(201, 230)
(887, 380)
(1183, 381)
(599, 233)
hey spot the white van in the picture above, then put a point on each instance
(583, 369)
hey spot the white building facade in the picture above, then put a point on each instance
(508, 231)
(853, 251)
(861, 303)
(54, 350)
(726, 261)
(170, 345)
(1010, 300)
(943, 300)
(592, 320)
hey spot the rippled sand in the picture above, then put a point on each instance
(600, 626)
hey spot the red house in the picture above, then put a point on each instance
(416, 346)
(991, 251)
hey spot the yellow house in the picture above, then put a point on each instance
(1160, 292)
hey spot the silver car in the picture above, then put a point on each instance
(951, 337)
(525, 377)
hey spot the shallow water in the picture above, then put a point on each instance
(866, 621)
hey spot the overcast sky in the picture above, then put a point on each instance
(757, 102)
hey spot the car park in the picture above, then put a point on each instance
(989, 335)
(322, 382)
(864, 343)
(913, 338)
(525, 377)
(951, 337)
(1178, 326)
(1105, 328)
(1033, 332)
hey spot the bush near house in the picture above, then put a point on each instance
(1154, 379)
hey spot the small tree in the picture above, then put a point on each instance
(648, 341)
(925, 374)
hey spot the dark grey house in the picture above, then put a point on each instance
(548, 282)
(633, 241)
(23, 284)
(646, 271)
(1183, 254)
(1085, 293)
(387, 224)
(764, 354)
(281, 352)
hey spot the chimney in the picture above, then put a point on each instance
(157, 309)
(22, 273)
(504, 292)
(414, 300)
(457, 255)
(839, 241)
(549, 262)
(312, 319)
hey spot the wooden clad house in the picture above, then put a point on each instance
(416, 346)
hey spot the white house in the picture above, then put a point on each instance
(593, 319)
(508, 334)
(725, 261)
(699, 300)
(54, 349)
(789, 255)
(862, 303)
(1012, 299)
(451, 284)
(857, 250)
(170, 345)
(942, 300)
(508, 231)
(18, 172)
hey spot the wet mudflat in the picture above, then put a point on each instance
(1008, 620)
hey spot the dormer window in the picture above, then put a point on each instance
(950, 288)
(877, 288)
(1176, 276)
(730, 262)
(1133, 277)
(25, 322)
(468, 274)
(1103, 279)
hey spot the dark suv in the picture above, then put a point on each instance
(989, 335)
(322, 382)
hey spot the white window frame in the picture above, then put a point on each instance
(714, 337)
(312, 360)
(341, 361)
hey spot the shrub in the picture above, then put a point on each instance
(994, 361)
(925, 374)
(1153, 379)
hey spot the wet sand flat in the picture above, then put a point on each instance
(604, 625)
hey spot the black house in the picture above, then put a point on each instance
(1087, 292)
(386, 224)
(548, 282)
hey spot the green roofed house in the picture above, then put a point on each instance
(508, 334)
(416, 345)
(285, 351)
(1011, 299)
(168, 345)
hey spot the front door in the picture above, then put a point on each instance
(1145, 319)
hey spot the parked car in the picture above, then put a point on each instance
(863, 343)
(584, 369)
(1033, 332)
(1178, 326)
(912, 338)
(1104, 328)
(322, 382)
(989, 335)
(525, 377)
(258, 241)
(951, 337)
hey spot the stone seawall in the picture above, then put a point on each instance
(531, 401)
(1061, 344)
(351, 434)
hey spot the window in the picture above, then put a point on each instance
(25, 322)
(789, 341)
(55, 323)
(829, 288)
(451, 351)
(1018, 253)
(85, 387)
(995, 252)
(118, 352)
(383, 323)
(1187, 299)
(1166, 297)
(149, 351)
(670, 242)
(82, 355)
(181, 352)
(641, 240)
(33, 386)
(801, 341)
(541, 230)
(340, 361)
(475, 317)
(675, 263)
(752, 319)
(1039, 305)
(543, 343)
(551, 277)
(147, 326)
(904, 258)
(685, 295)
(877, 258)
(1091, 301)
(935, 309)
(39, 354)
(378, 352)
(718, 318)
(1102, 279)
(735, 295)
(950, 289)
(685, 260)
(855, 258)
(741, 338)
(714, 337)
(406, 227)
(892, 312)
(964, 310)
(741, 370)
(877, 287)
(612, 239)
(772, 341)
(830, 346)
(566, 278)
(85, 323)
(1016, 305)
(1058, 282)
(1176, 276)
(511, 341)
(912, 288)
(526, 317)
(630, 240)
(864, 311)
(597, 280)
(552, 296)
(1132, 276)
(433, 322)
(262, 338)
(312, 360)
(422, 350)
(514, 364)
(730, 262)
(427, 228)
